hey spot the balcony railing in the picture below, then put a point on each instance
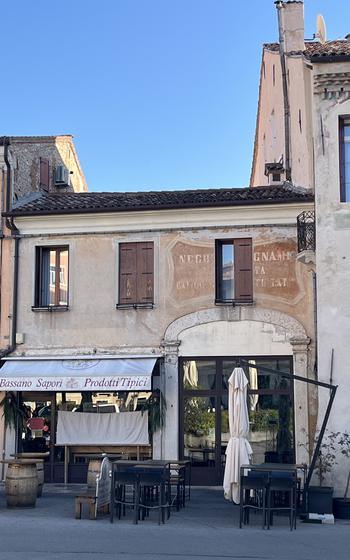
(306, 231)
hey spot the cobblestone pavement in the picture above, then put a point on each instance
(207, 528)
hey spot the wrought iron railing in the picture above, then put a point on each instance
(306, 231)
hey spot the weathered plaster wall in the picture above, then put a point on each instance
(270, 142)
(333, 247)
(184, 282)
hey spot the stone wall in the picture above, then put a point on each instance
(25, 154)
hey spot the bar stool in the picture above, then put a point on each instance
(258, 483)
(154, 491)
(283, 483)
(121, 480)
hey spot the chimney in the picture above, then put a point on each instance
(291, 23)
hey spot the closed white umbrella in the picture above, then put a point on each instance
(238, 450)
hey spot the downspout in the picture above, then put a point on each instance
(280, 7)
(15, 234)
(8, 175)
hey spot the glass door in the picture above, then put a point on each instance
(204, 422)
(36, 434)
(200, 417)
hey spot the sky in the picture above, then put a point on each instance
(158, 94)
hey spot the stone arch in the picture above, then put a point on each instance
(293, 328)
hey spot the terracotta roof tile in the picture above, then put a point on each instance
(76, 203)
(315, 49)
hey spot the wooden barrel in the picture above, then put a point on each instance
(40, 472)
(21, 485)
(94, 470)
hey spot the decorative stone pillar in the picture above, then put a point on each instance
(170, 388)
(301, 392)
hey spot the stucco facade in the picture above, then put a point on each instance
(185, 320)
(318, 96)
(332, 101)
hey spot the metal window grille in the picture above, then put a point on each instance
(306, 231)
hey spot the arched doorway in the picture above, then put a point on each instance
(201, 350)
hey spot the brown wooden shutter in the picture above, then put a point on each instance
(127, 272)
(145, 272)
(44, 174)
(243, 270)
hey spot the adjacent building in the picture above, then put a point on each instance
(303, 135)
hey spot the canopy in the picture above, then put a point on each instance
(238, 450)
(77, 374)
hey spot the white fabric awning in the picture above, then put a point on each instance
(83, 374)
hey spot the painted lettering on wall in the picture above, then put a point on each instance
(274, 268)
(193, 271)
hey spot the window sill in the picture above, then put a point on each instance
(50, 308)
(232, 303)
(134, 306)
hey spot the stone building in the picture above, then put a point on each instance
(302, 134)
(40, 163)
(192, 280)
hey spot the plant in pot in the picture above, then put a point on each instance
(341, 506)
(320, 497)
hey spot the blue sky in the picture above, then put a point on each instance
(159, 94)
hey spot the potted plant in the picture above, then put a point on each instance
(341, 506)
(320, 497)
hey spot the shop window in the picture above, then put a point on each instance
(234, 274)
(136, 272)
(51, 278)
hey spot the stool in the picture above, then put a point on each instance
(159, 479)
(85, 499)
(258, 482)
(120, 480)
(285, 483)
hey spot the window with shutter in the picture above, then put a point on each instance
(234, 271)
(136, 271)
(44, 174)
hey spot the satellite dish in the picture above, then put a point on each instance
(321, 29)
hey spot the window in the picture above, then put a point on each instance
(234, 275)
(51, 279)
(344, 158)
(136, 274)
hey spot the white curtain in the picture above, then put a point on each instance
(85, 428)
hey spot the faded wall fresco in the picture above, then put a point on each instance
(192, 270)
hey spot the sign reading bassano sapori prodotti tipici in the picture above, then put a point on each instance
(81, 383)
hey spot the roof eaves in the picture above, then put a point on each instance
(114, 210)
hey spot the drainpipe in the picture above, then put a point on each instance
(11, 348)
(6, 142)
(280, 7)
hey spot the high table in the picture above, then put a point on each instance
(270, 468)
(151, 465)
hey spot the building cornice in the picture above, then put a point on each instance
(155, 220)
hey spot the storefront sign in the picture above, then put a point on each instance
(80, 374)
(116, 383)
